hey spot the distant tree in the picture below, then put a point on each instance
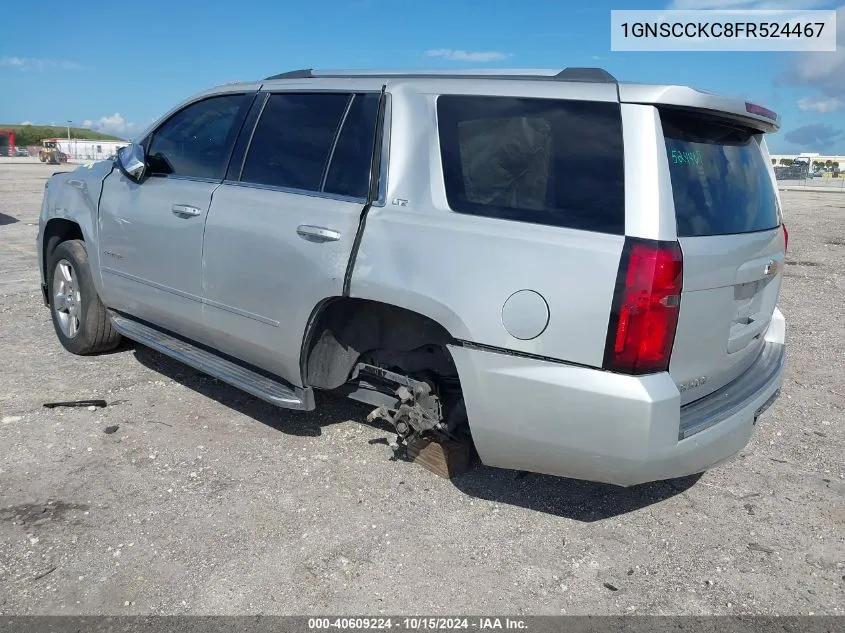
(786, 161)
(828, 163)
(26, 135)
(32, 134)
(774, 161)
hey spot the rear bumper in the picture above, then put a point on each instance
(583, 423)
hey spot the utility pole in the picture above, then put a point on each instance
(68, 136)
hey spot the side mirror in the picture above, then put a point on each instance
(132, 161)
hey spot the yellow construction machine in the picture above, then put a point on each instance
(50, 152)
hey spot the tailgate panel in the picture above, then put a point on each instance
(729, 228)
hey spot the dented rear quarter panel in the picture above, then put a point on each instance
(460, 269)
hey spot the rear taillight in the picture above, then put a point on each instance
(785, 238)
(645, 309)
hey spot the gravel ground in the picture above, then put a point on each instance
(208, 501)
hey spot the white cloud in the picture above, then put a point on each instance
(824, 71)
(31, 63)
(744, 5)
(467, 56)
(113, 124)
(26, 122)
(808, 104)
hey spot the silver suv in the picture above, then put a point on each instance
(580, 275)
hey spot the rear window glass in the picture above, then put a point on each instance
(545, 161)
(720, 178)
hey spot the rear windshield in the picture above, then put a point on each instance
(545, 161)
(720, 178)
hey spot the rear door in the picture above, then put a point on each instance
(729, 226)
(282, 227)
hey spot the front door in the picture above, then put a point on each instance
(151, 233)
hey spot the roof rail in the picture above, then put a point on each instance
(304, 73)
(595, 75)
(589, 75)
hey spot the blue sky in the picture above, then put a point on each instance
(116, 66)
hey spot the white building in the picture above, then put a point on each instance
(87, 149)
(817, 159)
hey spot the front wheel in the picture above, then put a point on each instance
(79, 317)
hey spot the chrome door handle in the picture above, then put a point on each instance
(185, 210)
(317, 233)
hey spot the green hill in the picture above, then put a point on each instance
(32, 134)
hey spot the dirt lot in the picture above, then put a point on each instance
(206, 500)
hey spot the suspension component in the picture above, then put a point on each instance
(418, 409)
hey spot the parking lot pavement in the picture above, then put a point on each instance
(205, 500)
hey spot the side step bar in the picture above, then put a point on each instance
(271, 390)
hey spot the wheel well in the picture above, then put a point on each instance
(345, 330)
(57, 231)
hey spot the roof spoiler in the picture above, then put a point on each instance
(755, 116)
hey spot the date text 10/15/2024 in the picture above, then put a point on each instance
(417, 623)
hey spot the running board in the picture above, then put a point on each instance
(270, 390)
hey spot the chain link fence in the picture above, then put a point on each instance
(801, 177)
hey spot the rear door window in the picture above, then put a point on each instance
(720, 178)
(545, 161)
(349, 172)
(293, 140)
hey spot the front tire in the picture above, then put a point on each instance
(79, 317)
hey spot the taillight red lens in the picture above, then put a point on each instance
(646, 304)
(785, 237)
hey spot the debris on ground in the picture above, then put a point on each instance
(761, 548)
(97, 404)
(45, 573)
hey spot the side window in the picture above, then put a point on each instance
(349, 172)
(195, 142)
(293, 140)
(545, 161)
